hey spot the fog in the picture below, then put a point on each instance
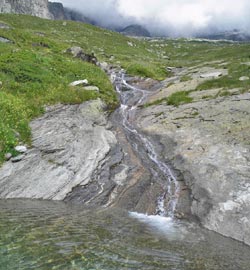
(168, 17)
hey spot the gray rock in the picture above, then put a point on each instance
(75, 51)
(17, 158)
(5, 40)
(79, 53)
(104, 66)
(211, 75)
(91, 88)
(4, 26)
(244, 78)
(69, 144)
(37, 8)
(207, 142)
(80, 82)
(21, 149)
(8, 156)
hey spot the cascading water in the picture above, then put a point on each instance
(131, 98)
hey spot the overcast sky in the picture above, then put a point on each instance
(175, 17)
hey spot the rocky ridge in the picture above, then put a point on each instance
(37, 8)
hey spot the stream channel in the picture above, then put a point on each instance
(38, 234)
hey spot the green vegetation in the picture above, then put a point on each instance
(185, 78)
(35, 69)
(176, 99)
(179, 98)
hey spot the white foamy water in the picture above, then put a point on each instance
(166, 226)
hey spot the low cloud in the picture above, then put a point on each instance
(168, 17)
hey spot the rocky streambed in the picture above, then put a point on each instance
(186, 161)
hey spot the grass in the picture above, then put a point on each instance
(176, 99)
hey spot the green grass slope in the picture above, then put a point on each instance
(35, 69)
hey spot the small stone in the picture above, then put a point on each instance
(4, 40)
(8, 156)
(211, 75)
(21, 149)
(244, 78)
(81, 82)
(92, 88)
(64, 23)
(1, 84)
(17, 158)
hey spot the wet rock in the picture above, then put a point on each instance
(21, 149)
(80, 82)
(208, 143)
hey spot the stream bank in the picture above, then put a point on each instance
(176, 161)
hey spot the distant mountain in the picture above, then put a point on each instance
(60, 12)
(136, 30)
(234, 35)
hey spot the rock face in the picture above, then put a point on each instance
(69, 145)
(57, 10)
(207, 142)
(37, 8)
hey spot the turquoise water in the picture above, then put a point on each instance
(55, 235)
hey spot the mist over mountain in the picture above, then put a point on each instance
(168, 17)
